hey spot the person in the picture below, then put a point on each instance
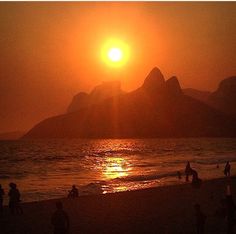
(196, 182)
(227, 169)
(73, 193)
(188, 171)
(2, 193)
(200, 219)
(14, 199)
(60, 220)
(230, 211)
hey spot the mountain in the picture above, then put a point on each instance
(158, 108)
(197, 94)
(223, 99)
(99, 93)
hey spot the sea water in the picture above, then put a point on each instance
(45, 169)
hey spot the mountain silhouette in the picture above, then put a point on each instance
(197, 94)
(158, 108)
(98, 94)
(223, 99)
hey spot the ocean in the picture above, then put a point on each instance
(46, 169)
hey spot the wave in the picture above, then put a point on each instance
(147, 177)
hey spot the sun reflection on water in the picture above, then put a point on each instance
(115, 168)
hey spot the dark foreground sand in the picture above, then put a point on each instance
(158, 210)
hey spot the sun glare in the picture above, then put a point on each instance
(115, 53)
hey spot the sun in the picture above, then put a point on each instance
(115, 53)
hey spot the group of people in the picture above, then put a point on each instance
(60, 219)
(196, 181)
(14, 199)
(227, 209)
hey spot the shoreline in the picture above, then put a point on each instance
(165, 209)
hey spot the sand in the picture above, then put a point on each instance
(158, 210)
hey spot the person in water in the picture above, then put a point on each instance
(188, 171)
(60, 220)
(2, 193)
(14, 199)
(227, 169)
(73, 193)
(200, 219)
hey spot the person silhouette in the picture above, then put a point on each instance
(200, 219)
(196, 182)
(188, 171)
(227, 169)
(60, 220)
(2, 193)
(14, 199)
(230, 211)
(73, 193)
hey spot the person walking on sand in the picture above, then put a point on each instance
(188, 171)
(14, 199)
(200, 219)
(60, 220)
(227, 169)
(2, 193)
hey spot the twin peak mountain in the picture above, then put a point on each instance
(158, 108)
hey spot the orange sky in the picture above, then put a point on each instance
(51, 51)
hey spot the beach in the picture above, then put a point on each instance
(168, 209)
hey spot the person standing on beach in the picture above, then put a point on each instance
(200, 219)
(14, 199)
(227, 169)
(1, 198)
(60, 220)
(188, 171)
(230, 211)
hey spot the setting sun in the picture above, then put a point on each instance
(115, 53)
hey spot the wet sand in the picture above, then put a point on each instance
(158, 210)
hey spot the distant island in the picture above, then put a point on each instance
(159, 108)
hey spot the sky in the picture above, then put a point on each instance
(51, 51)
